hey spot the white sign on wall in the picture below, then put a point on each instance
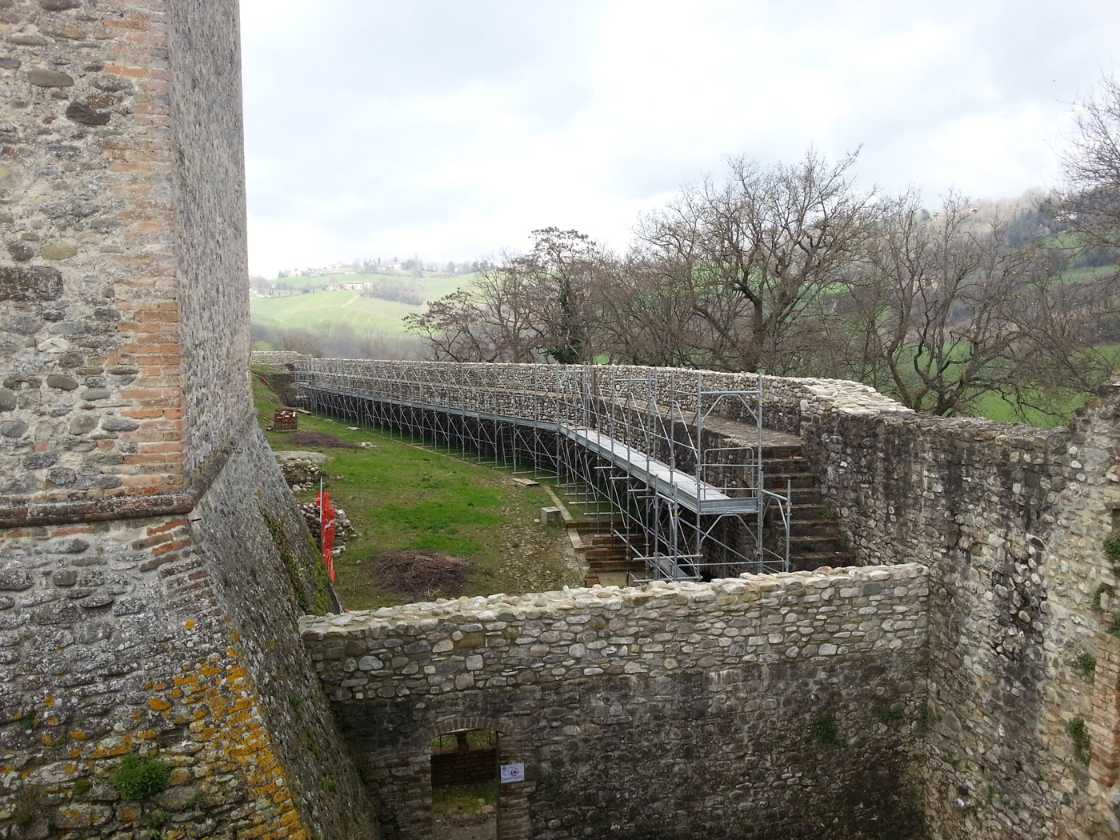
(513, 773)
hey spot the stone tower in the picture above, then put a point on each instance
(152, 564)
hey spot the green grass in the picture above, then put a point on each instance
(1058, 410)
(319, 310)
(404, 497)
(464, 800)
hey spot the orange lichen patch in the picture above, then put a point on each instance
(111, 747)
(190, 624)
(158, 704)
(79, 735)
(224, 708)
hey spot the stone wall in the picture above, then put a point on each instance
(90, 406)
(768, 706)
(209, 231)
(1012, 522)
(152, 562)
(275, 358)
(551, 392)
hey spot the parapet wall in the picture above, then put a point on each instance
(530, 391)
(275, 357)
(768, 706)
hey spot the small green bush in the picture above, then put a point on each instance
(1080, 735)
(1112, 548)
(29, 804)
(826, 731)
(1086, 665)
(888, 714)
(138, 777)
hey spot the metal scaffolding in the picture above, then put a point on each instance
(639, 454)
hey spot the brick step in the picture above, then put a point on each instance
(605, 566)
(793, 465)
(603, 554)
(806, 496)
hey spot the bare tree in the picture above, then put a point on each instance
(1092, 204)
(647, 318)
(539, 305)
(759, 251)
(946, 311)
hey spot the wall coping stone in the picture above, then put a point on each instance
(748, 587)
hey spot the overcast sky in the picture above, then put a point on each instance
(451, 129)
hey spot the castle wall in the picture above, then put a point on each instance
(1012, 523)
(90, 404)
(209, 232)
(152, 562)
(271, 358)
(769, 706)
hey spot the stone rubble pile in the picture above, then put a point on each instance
(344, 530)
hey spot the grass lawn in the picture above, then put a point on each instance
(401, 497)
(321, 309)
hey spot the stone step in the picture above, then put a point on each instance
(815, 544)
(810, 527)
(809, 562)
(802, 480)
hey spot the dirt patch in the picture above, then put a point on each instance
(318, 439)
(422, 574)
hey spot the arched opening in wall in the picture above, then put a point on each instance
(465, 785)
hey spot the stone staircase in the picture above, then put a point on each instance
(815, 537)
(604, 554)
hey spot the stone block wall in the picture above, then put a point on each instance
(152, 562)
(90, 404)
(1013, 524)
(274, 358)
(551, 392)
(782, 705)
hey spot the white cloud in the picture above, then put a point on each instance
(451, 129)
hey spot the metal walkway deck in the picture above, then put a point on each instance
(677, 485)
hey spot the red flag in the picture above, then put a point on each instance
(326, 530)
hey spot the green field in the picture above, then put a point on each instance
(402, 497)
(320, 310)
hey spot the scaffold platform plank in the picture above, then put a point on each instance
(677, 485)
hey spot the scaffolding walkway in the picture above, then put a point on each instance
(673, 485)
(644, 457)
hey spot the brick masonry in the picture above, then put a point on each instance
(770, 706)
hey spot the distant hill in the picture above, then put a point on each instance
(319, 309)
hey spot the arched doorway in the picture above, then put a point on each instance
(465, 784)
